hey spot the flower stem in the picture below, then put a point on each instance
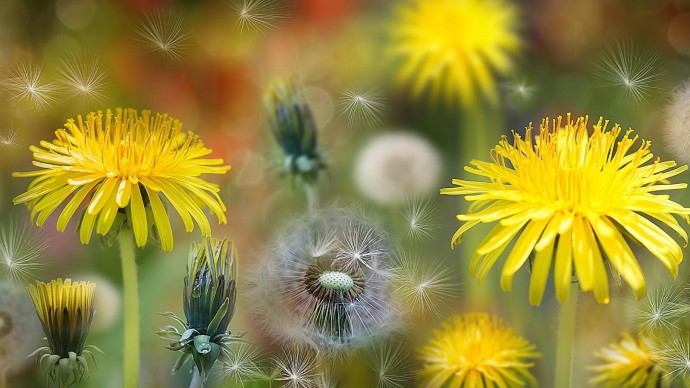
(3, 377)
(131, 304)
(566, 340)
(197, 381)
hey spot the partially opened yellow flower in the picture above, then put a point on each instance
(569, 199)
(455, 48)
(124, 163)
(631, 363)
(476, 350)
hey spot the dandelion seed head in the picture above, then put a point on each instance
(163, 33)
(20, 251)
(630, 69)
(396, 166)
(83, 76)
(325, 285)
(20, 329)
(361, 109)
(677, 126)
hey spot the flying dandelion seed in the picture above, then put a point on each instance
(676, 357)
(424, 286)
(25, 83)
(258, 15)
(83, 76)
(388, 362)
(630, 69)
(240, 364)
(9, 137)
(297, 368)
(519, 90)
(420, 217)
(20, 249)
(361, 109)
(661, 310)
(163, 33)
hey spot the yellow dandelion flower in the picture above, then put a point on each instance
(630, 363)
(65, 309)
(476, 350)
(571, 197)
(124, 161)
(455, 48)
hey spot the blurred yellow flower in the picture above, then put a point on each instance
(455, 48)
(630, 363)
(124, 162)
(476, 350)
(573, 195)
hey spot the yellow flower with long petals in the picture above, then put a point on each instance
(570, 198)
(476, 350)
(630, 363)
(455, 48)
(125, 162)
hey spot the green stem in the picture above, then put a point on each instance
(566, 340)
(197, 381)
(131, 304)
(3, 377)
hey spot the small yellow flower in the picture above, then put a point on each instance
(476, 350)
(569, 197)
(630, 363)
(65, 309)
(124, 162)
(454, 48)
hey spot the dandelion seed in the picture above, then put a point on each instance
(163, 32)
(362, 109)
(425, 286)
(630, 69)
(239, 364)
(662, 309)
(258, 15)
(9, 137)
(520, 90)
(24, 81)
(20, 249)
(83, 76)
(421, 218)
(388, 362)
(297, 368)
(676, 357)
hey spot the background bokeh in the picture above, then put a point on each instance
(214, 85)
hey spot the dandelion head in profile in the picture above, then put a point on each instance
(65, 309)
(124, 164)
(631, 362)
(294, 128)
(397, 166)
(327, 283)
(454, 48)
(209, 304)
(476, 350)
(569, 197)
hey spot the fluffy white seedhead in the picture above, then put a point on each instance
(361, 108)
(677, 129)
(83, 76)
(24, 81)
(661, 310)
(421, 218)
(632, 70)
(297, 368)
(163, 33)
(424, 284)
(327, 283)
(397, 166)
(258, 15)
(389, 363)
(20, 329)
(20, 252)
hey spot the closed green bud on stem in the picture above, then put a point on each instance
(65, 309)
(209, 304)
(294, 128)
